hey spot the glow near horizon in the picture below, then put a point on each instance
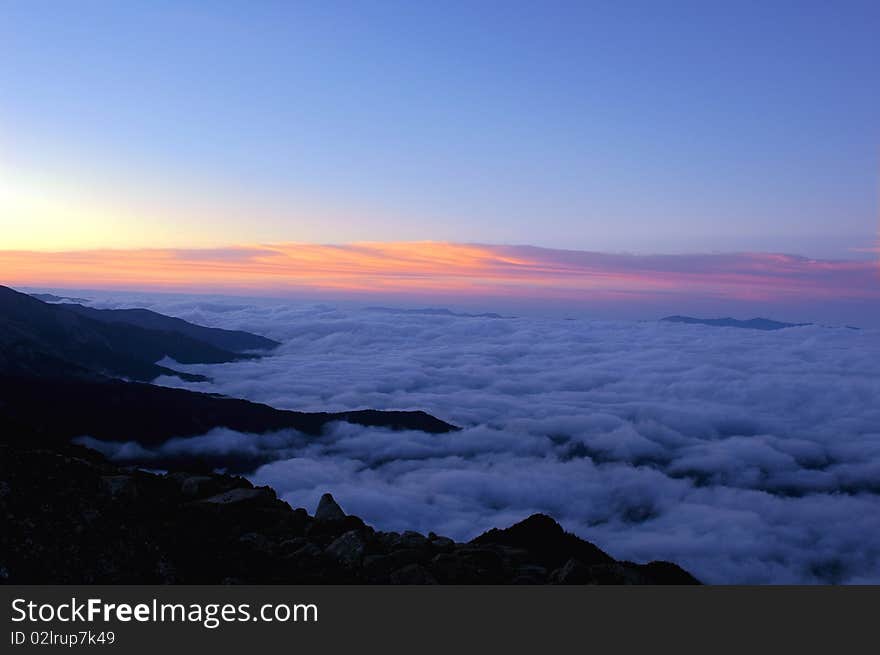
(435, 269)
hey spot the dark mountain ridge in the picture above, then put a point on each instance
(40, 339)
(235, 341)
(115, 410)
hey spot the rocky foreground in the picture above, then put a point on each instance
(71, 517)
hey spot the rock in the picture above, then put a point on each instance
(237, 496)
(120, 486)
(386, 540)
(335, 527)
(348, 548)
(441, 544)
(410, 539)
(289, 546)
(412, 574)
(572, 572)
(205, 484)
(615, 573)
(546, 542)
(530, 574)
(309, 551)
(296, 523)
(198, 485)
(468, 565)
(379, 567)
(659, 572)
(256, 541)
(166, 571)
(328, 509)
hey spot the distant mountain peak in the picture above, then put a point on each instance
(52, 339)
(433, 311)
(750, 324)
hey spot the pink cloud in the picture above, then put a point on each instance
(455, 270)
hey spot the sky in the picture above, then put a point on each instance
(644, 128)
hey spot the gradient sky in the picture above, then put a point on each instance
(648, 127)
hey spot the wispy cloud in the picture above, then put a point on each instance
(464, 270)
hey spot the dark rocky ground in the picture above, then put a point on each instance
(70, 516)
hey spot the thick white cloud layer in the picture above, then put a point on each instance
(745, 456)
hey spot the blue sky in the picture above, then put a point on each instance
(649, 127)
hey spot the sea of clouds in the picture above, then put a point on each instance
(744, 456)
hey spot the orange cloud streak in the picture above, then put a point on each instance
(432, 267)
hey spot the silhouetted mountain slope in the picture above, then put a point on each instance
(51, 297)
(751, 324)
(22, 357)
(71, 517)
(41, 339)
(59, 409)
(229, 340)
(54, 384)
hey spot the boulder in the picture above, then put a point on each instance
(468, 565)
(546, 542)
(411, 539)
(348, 548)
(412, 574)
(238, 496)
(530, 574)
(289, 546)
(309, 551)
(120, 487)
(196, 486)
(386, 540)
(200, 486)
(441, 544)
(379, 567)
(256, 541)
(328, 509)
(328, 530)
(659, 572)
(572, 572)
